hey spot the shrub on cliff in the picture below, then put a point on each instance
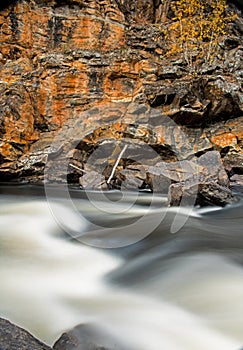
(196, 29)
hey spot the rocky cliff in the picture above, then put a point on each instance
(65, 61)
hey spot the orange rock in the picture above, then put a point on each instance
(57, 61)
(224, 140)
(18, 118)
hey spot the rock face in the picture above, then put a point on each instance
(13, 337)
(87, 61)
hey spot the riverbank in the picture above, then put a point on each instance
(112, 81)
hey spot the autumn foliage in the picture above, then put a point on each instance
(196, 28)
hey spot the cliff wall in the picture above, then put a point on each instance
(60, 59)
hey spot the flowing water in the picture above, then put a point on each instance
(162, 291)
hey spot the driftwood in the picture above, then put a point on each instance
(116, 164)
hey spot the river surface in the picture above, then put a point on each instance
(155, 278)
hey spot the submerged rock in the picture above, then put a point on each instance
(13, 337)
(88, 337)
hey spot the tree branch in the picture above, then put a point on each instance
(116, 164)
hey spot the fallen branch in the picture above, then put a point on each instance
(77, 168)
(116, 164)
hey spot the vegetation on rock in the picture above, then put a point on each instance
(197, 28)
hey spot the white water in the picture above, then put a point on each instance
(170, 295)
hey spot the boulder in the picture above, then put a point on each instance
(158, 183)
(131, 181)
(182, 194)
(93, 181)
(13, 337)
(209, 184)
(233, 164)
(236, 183)
(87, 337)
(176, 171)
(208, 193)
(213, 193)
(212, 168)
(162, 176)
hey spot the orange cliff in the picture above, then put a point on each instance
(58, 61)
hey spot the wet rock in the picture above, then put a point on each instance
(208, 193)
(212, 168)
(13, 337)
(139, 170)
(208, 184)
(182, 194)
(236, 183)
(233, 164)
(131, 180)
(88, 337)
(158, 183)
(176, 171)
(214, 194)
(237, 179)
(93, 181)
(162, 176)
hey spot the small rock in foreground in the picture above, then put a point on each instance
(13, 337)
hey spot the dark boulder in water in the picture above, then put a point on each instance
(13, 337)
(214, 193)
(88, 337)
(236, 183)
(233, 164)
(209, 184)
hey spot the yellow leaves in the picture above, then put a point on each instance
(196, 28)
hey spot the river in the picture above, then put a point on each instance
(152, 289)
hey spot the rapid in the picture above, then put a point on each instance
(162, 290)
